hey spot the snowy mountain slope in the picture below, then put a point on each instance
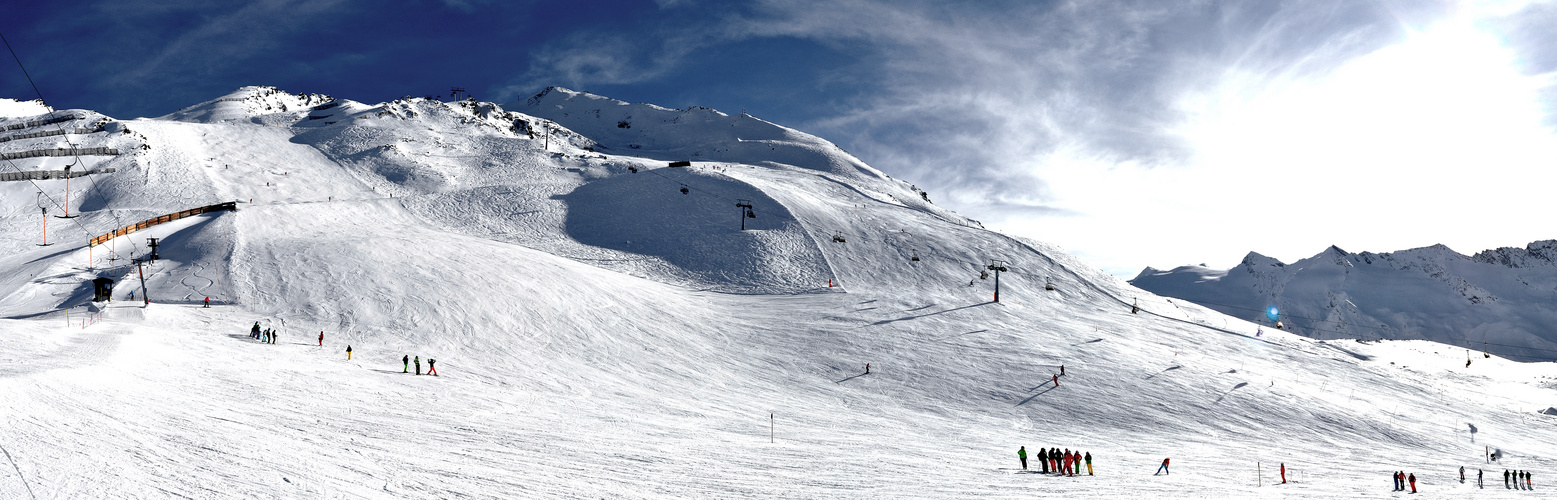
(590, 344)
(1499, 298)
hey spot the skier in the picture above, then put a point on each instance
(273, 336)
(867, 368)
(1283, 473)
(1462, 473)
(407, 361)
(1089, 463)
(1478, 479)
(1065, 463)
(432, 370)
(1412, 478)
(1056, 380)
(254, 332)
(1022, 454)
(1164, 468)
(1505, 479)
(1043, 459)
(207, 302)
(1528, 483)
(1395, 478)
(1062, 369)
(348, 352)
(418, 362)
(321, 338)
(1054, 459)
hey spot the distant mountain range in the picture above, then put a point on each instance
(1502, 300)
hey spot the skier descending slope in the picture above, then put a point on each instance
(1164, 468)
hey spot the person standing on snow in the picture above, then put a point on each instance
(348, 352)
(1505, 479)
(1412, 478)
(1089, 463)
(254, 332)
(1283, 473)
(1462, 473)
(207, 302)
(432, 370)
(1021, 453)
(407, 361)
(418, 362)
(1478, 479)
(1054, 459)
(1056, 380)
(1043, 459)
(321, 338)
(273, 336)
(1164, 468)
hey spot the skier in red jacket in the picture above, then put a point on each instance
(1164, 468)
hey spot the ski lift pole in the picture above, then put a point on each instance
(745, 206)
(997, 266)
(142, 273)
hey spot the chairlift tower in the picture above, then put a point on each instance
(746, 212)
(997, 266)
(454, 92)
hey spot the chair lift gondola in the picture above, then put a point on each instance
(1048, 284)
(915, 258)
(684, 189)
(838, 236)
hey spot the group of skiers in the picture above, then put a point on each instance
(1516, 476)
(265, 336)
(268, 336)
(1401, 478)
(1063, 463)
(433, 370)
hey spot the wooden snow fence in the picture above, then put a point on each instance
(60, 152)
(50, 174)
(231, 205)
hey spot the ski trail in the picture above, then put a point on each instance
(18, 473)
(200, 266)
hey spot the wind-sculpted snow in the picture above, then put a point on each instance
(599, 333)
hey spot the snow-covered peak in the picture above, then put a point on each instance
(13, 108)
(1503, 297)
(248, 103)
(692, 134)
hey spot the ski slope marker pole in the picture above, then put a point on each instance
(770, 428)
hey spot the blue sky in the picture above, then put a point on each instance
(1133, 133)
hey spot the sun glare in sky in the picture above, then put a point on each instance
(1432, 137)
